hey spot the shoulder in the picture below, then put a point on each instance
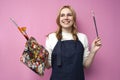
(81, 35)
(52, 35)
(83, 38)
(51, 40)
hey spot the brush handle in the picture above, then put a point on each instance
(22, 32)
(95, 23)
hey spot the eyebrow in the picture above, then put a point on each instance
(67, 14)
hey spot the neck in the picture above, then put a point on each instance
(67, 30)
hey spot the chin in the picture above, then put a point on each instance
(66, 26)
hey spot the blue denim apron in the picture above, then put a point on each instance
(67, 61)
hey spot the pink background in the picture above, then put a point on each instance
(39, 17)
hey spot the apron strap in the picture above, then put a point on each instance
(59, 55)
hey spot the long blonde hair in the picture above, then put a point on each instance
(74, 27)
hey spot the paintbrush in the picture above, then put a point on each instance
(93, 15)
(21, 29)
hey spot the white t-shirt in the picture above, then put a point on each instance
(52, 40)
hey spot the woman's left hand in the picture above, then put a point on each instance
(96, 44)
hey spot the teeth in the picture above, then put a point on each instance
(66, 22)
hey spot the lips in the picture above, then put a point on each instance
(66, 21)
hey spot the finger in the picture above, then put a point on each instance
(97, 40)
(98, 43)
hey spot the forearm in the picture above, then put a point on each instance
(88, 61)
(95, 47)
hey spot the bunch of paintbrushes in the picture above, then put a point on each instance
(34, 56)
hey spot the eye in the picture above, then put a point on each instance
(62, 15)
(69, 14)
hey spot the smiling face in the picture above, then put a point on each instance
(66, 21)
(66, 18)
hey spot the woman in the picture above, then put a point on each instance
(68, 49)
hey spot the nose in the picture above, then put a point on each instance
(66, 16)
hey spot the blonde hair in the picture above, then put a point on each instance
(74, 27)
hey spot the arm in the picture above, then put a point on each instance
(96, 44)
(48, 48)
(51, 41)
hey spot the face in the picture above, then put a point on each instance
(66, 18)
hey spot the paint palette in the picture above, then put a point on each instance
(35, 56)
